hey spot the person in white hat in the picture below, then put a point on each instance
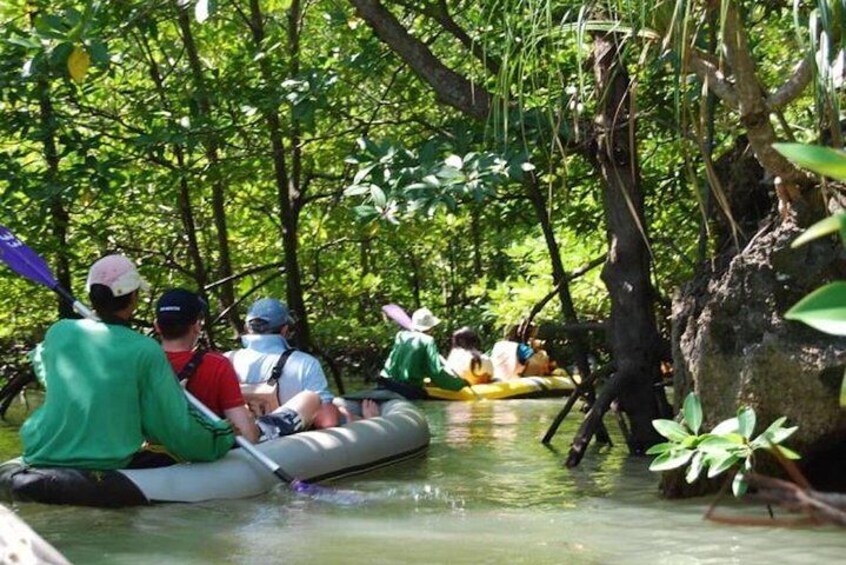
(111, 389)
(415, 358)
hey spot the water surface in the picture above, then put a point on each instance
(487, 492)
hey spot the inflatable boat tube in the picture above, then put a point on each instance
(524, 387)
(400, 432)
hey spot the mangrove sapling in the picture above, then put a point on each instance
(728, 446)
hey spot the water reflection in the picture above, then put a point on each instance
(487, 491)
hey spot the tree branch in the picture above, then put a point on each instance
(449, 86)
(713, 78)
(440, 13)
(793, 86)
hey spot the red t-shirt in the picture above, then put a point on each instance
(214, 382)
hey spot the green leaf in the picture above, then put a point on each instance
(774, 435)
(821, 160)
(454, 161)
(356, 190)
(789, 453)
(417, 186)
(726, 427)
(670, 429)
(722, 464)
(828, 226)
(432, 181)
(660, 448)
(366, 213)
(60, 53)
(359, 176)
(739, 485)
(692, 411)
(746, 422)
(378, 195)
(712, 442)
(27, 42)
(689, 441)
(843, 392)
(51, 26)
(824, 309)
(671, 460)
(695, 468)
(99, 52)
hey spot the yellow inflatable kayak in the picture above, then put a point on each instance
(525, 387)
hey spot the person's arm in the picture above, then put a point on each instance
(37, 364)
(242, 420)
(440, 375)
(167, 418)
(230, 399)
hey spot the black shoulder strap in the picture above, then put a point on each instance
(276, 373)
(191, 366)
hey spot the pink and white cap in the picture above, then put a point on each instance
(118, 273)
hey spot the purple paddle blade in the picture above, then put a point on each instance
(24, 260)
(397, 314)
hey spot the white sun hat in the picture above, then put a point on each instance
(118, 273)
(423, 320)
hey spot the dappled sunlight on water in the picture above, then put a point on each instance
(487, 491)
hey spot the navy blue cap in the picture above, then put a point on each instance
(179, 306)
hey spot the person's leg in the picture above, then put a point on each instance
(294, 416)
(369, 408)
(328, 416)
(307, 404)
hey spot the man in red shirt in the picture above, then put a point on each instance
(212, 379)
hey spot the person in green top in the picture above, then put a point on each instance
(110, 389)
(414, 358)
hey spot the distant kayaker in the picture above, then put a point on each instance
(109, 389)
(415, 358)
(466, 359)
(514, 358)
(210, 377)
(266, 347)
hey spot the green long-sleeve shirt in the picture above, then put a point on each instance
(108, 389)
(415, 357)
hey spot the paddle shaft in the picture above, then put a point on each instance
(242, 442)
(77, 306)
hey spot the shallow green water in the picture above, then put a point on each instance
(487, 492)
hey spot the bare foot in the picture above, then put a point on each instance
(369, 408)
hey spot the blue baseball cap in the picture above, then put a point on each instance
(267, 315)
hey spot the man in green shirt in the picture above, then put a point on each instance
(414, 358)
(109, 389)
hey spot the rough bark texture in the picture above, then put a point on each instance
(732, 345)
(749, 198)
(632, 331)
(59, 217)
